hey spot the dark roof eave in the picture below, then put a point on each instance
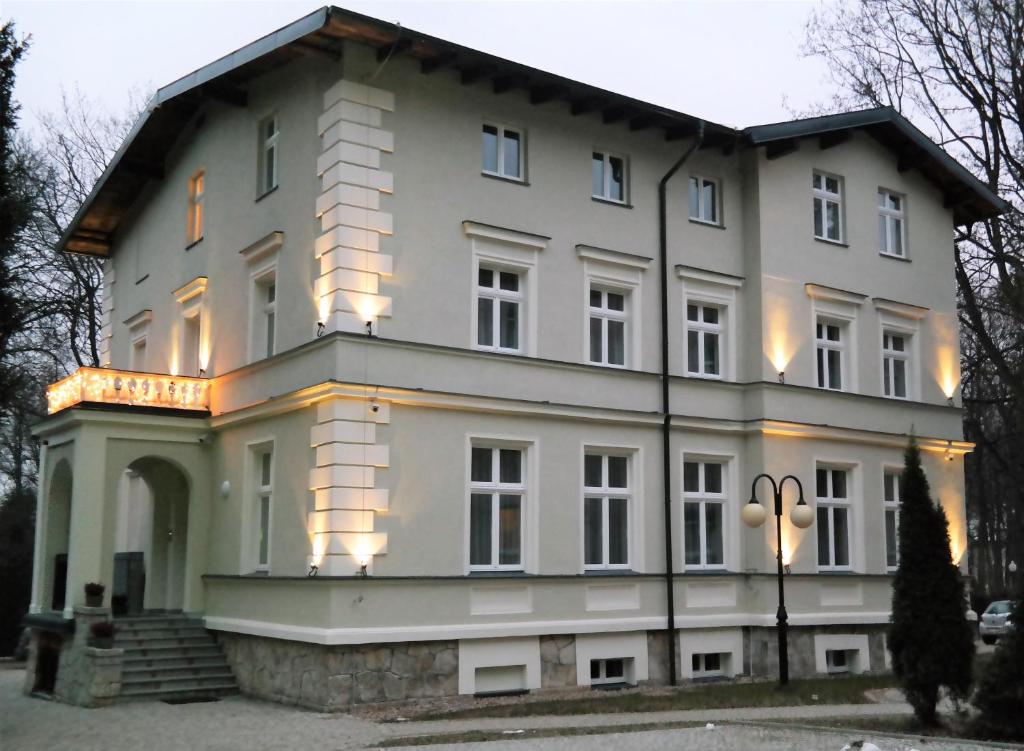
(992, 205)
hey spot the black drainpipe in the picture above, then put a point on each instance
(666, 425)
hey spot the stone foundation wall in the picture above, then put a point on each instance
(331, 678)
(761, 648)
(557, 661)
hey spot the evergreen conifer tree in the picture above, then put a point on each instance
(1000, 696)
(930, 640)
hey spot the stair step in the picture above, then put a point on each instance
(167, 632)
(181, 693)
(131, 661)
(136, 674)
(162, 678)
(198, 640)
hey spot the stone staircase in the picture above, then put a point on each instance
(171, 657)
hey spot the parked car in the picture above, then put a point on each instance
(995, 621)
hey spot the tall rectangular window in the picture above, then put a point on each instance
(833, 509)
(497, 494)
(196, 206)
(608, 177)
(890, 224)
(828, 207)
(703, 340)
(503, 151)
(268, 160)
(606, 499)
(138, 362)
(895, 364)
(609, 321)
(263, 326)
(264, 503)
(704, 200)
(830, 347)
(191, 341)
(499, 300)
(704, 499)
(891, 508)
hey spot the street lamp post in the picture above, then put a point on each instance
(802, 516)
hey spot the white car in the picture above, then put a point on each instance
(995, 621)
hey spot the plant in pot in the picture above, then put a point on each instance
(102, 635)
(94, 595)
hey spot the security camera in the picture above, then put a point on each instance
(206, 438)
(375, 407)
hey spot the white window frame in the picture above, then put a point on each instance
(702, 329)
(824, 197)
(264, 497)
(269, 154)
(889, 356)
(192, 302)
(903, 320)
(702, 671)
(526, 489)
(253, 490)
(893, 218)
(712, 289)
(891, 507)
(500, 172)
(829, 503)
(838, 307)
(603, 679)
(701, 182)
(825, 345)
(619, 272)
(606, 173)
(196, 206)
(703, 497)
(604, 493)
(605, 314)
(496, 296)
(138, 338)
(512, 251)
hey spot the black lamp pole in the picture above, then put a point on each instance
(782, 619)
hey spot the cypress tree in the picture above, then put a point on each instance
(930, 640)
(1000, 696)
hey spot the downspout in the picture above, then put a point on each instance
(666, 425)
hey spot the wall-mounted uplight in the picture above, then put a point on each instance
(321, 327)
(313, 570)
(949, 451)
(202, 372)
(782, 376)
(369, 328)
(364, 561)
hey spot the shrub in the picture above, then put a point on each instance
(930, 639)
(94, 590)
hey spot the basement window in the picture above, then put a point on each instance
(611, 671)
(709, 664)
(839, 660)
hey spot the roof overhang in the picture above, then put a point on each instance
(968, 197)
(140, 159)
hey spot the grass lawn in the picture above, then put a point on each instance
(481, 736)
(837, 690)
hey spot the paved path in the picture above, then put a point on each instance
(241, 724)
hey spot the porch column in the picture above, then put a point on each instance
(87, 552)
(42, 524)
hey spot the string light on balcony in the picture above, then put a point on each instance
(105, 386)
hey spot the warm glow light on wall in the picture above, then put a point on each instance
(947, 376)
(126, 387)
(780, 344)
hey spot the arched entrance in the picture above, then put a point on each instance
(151, 540)
(54, 561)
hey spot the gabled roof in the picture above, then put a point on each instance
(969, 198)
(322, 33)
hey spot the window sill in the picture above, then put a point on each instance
(497, 572)
(704, 223)
(837, 572)
(504, 179)
(610, 202)
(263, 195)
(706, 571)
(837, 243)
(193, 244)
(499, 351)
(610, 571)
(704, 376)
(893, 257)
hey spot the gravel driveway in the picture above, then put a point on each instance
(241, 724)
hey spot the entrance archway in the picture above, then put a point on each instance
(152, 537)
(54, 576)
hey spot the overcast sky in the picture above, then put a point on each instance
(736, 63)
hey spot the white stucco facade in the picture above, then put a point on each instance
(358, 529)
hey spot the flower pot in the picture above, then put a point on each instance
(102, 642)
(94, 601)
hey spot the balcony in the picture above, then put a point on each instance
(125, 387)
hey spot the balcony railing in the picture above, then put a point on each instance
(106, 386)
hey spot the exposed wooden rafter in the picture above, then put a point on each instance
(611, 115)
(541, 94)
(777, 149)
(585, 105)
(434, 64)
(393, 50)
(833, 138)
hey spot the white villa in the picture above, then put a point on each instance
(430, 373)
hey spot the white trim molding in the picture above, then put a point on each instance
(831, 294)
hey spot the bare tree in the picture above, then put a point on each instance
(956, 67)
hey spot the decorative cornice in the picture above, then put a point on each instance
(902, 309)
(505, 235)
(694, 274)
(617, 257)
(141, 318)
(831, 294)
(196, 287)
(263, 247)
